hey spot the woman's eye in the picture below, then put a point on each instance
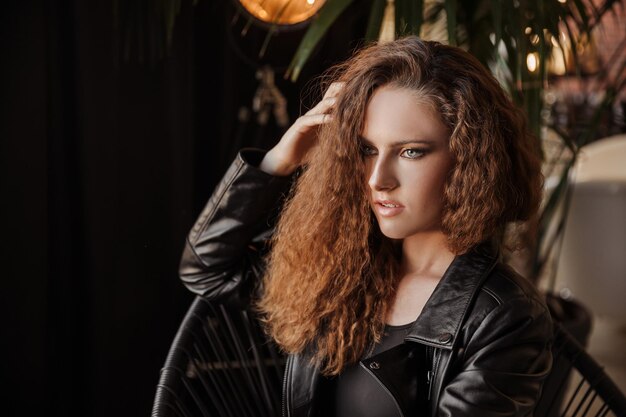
(413, 153)
(367, 150)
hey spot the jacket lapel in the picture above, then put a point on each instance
(443, 314)
(437, 325)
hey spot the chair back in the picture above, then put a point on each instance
(220, 364)
(577, 385)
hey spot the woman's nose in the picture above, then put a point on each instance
(382, 176)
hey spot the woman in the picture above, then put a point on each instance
(383, 282)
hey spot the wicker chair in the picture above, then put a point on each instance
(220, 364)
(577, 385)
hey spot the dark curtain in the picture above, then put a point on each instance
(104, 166)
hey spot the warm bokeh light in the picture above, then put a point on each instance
(556, 63)
(282, 12)
(532, 61)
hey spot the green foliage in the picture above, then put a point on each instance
(502, 34)
(408, 17)
(320, 25)
(375, 20)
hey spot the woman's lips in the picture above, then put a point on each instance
(385, 211)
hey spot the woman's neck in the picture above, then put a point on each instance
(425, 254)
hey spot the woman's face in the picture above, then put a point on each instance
(405, 148)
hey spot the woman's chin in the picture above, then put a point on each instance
(393, 233)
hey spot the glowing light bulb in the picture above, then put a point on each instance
(282, 12)
(532, 61)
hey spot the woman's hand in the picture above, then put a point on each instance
(290, 152)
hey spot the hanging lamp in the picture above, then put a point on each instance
(282, 12)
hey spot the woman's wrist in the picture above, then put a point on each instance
(274, 165)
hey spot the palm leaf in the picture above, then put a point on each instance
(417, 16)
(451, 13)
(546, 218)
(567, 140)
(401, 13)
(408, 17)
(327, 15)
(273, 28)
(375, 20)
(595, 122)
(496, 11)
(581, 12)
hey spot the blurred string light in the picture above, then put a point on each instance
(532, 61)
(556, 61)
(560, 60)
(282, 12)
(557, 64)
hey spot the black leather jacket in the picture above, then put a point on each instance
(487, 331)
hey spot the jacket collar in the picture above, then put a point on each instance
(443, 314)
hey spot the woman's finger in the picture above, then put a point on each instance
(323, 105)
(309, 120)
(334, 88)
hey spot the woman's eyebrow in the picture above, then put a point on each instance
(401, 142)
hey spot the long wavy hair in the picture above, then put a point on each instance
(331, 275)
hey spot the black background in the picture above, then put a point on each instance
(104, 164)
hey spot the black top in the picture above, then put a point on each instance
(356, 392)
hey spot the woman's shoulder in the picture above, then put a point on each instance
(505, 286)
(507, 302)
(506, 283)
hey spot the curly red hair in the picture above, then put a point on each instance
(331, 274)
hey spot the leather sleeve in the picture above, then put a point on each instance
(504, 365)
(223, 252)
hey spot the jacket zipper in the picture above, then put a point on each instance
(285, 407)
(431, 374)
(385, 388)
